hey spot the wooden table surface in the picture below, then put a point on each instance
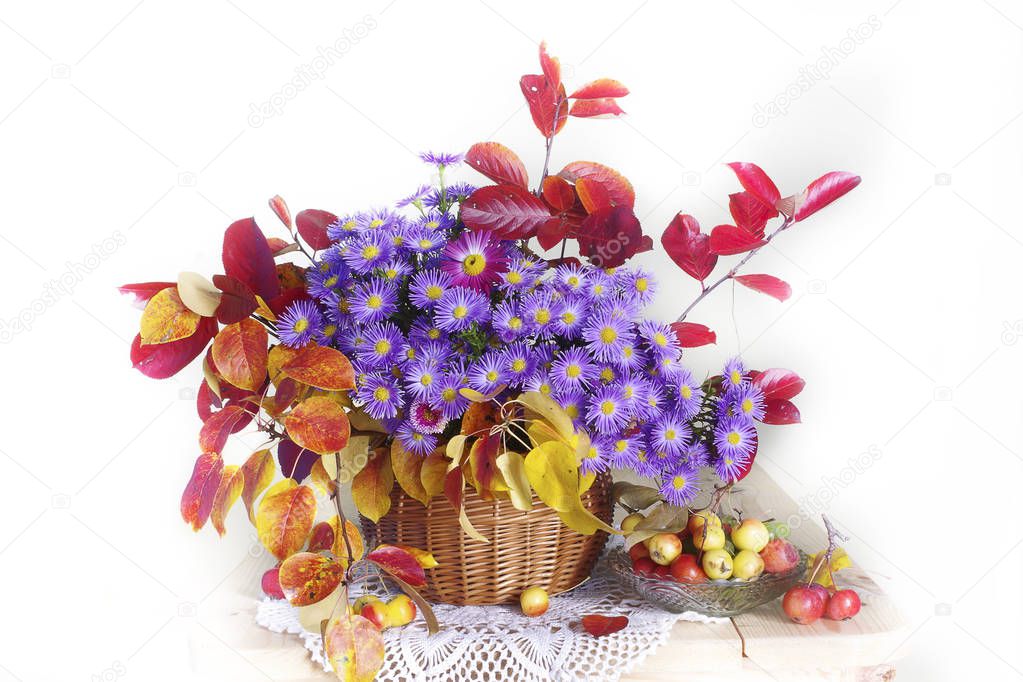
(226, 643)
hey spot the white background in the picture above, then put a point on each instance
(132, 123)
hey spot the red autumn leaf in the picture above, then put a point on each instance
(750, 213)
(618, 187)
(143, 291)
(508, 211)
(240, 354)
(237, 301)
(728, 240)
(201, 489)
(483, 462)
(745, 467)
(593, 108)
(777, 383)
(230, 487)
(295, 461)
(399, 563)
(592, 194)
(207, 403)
(766, 284)
(280, 304)
(164, 360)
(321, 537)
(216, 429)
(312, 225)
(600, 89)
(454, 486)
(822, 192)
(550, 234)
(558, 193)
(688, 247)
(598, 625)
(354, 647)
(279, 246)
(498, 163)
(551, 66)
(247, 257)
(610, 236)
(285, 517)
(548, 104)
(780, 411)
(280, 209)
(693, 335)
(321, 367)
(755, 181)
(318, 424)
(307, 578)
(258, 471)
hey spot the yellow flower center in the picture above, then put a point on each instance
(660, 339)
(747, 405)
(629, 391)
(572, 411)
(678, 482)
(433, 334)
(685, 392)
(513, 277)
(669, 434)
(374, 302)
(348, 225)
(391, 273)
(518, 365)
(370, 251)
(608, 335)
(301, 325)
(492, 375)
(433, 224)
(330, 281)
(607, 374)
(329, 330)
(734, 438)
(425, 244)
(642, 284)
(573, 282)
(382, 347)
(426, 379)
(515, 323)
(448, 395)
(459, 312)
(735, 377)
(591, 453)
(545, 388)
(621, 445)
(381, 395)
(607, 408)
(568, 317)
(542, 316)
(411, 353)
(573, 371)
(474, 264)
(376, 222)
(598, 289)
(434, 292)
(627, 352)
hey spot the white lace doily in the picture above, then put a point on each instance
(498, 643)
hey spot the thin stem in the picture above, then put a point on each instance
(731, 273)
(342, 520)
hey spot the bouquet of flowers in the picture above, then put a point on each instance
(436, 345)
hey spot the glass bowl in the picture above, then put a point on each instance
(718, 598)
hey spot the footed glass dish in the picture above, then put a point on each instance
(718, 598)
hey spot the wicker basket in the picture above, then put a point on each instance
(525, 548)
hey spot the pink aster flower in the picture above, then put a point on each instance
(474, 260)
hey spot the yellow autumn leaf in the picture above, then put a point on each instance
(550, 411)
(584, 522)
(554, 474)
(513, 468)
(839, 560)
(166, 318)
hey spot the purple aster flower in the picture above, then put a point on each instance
(383, 342)
(659, 338)
(377, 219)
(425, 418)
(573, 402)
(415, 442)
(522, 274)
(418, 195)
(487, 373)
(475, 260)
(633, 390)
(734, 374)
(540, 311)
(321, 281)
(697, 454)
(669, 434)
(368, 251)
(570, 277)
(629, 358)
(519, 363)
(606, 410)
(597, 458)
(422, 378)
(395, 269)
(670, 367)
(427, 287)
(540, 382)
(442, 158)
(680, 485)
(507, 322)
(623, 450)
(654, 400)
(599, 286)
(605, 334)
(350, 339)
(570, 320)
(325, 336)
(643, 464)
(690, 393)
(637, 284)
(730, 467)
(422, 332)
(374, 301)
(380, 396)
(573, 370)
(342, 228)
(459, 308)
(299, 323)
(748, 400)
(452, 404)
(460, 191)
(735, 437)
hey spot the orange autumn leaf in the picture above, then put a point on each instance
(407, 468)
(321, 367)
(425, 559)
(398, 563)
(220, 425)
(239, 352)
(354, 647)
(166, 318)
(319, 424)
(279, 356)
(326, 536)
(285, 518)
(197, 499)
(432, 473)
(483, 464)
(307, 578)
(598, 625)
(479, 417)
(232, 480)
(321, 478)
(258, 471)
(371, 487)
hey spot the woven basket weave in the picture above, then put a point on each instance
(525, 548)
